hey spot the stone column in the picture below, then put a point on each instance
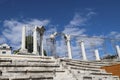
(23, 38)
(41, 30)
(53, 47)
(67, 37)
(83, 50)
(97, 54)
(35, 50)
(42, 50)
(23, 42)
(118, 50)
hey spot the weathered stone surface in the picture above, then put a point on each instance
(47, 68)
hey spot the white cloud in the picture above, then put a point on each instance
(77, 21)
(114, 34)
(38, 22)
(73, 27)
(2, 39)
(74, 31)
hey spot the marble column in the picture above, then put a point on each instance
(23, 43)
(118, 50)
(35, 50)
(53, 47)
(83, 50)
(67, 37)
(41, 30)
(42, 50)
(97, 54)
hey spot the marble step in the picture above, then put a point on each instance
(36, 71)
(28, 68)
(29, 65)
(101, 73)
(85, 66)
(86, 62)
(87, 69)
(29, 57)
(33, 77)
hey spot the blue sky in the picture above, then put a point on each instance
(75, 17)
(60, 12)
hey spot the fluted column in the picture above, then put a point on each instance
(83, 50)
(118, 50)
(67, 37)
(35, 50)
(97, 54)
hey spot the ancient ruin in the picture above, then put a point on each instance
(37, 66)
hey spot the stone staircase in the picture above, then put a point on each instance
(88, 70)
(27, 67)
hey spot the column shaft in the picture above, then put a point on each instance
(83, 50)
(35, 50)
(23, 38)
(97, 54)
(42, 50)
(69, 49)
(118, 50)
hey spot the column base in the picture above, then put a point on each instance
(35, 53)
(23, 51)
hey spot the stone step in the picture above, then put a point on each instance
(32, 77)
(36, 71)
(85, 66)
(95, 63)
(92, 73)
(88, 69)
(29, 57)
(3, 78)
(29, 65)
(100, 73)
(32, 63)
(41, 61)
(5, 60)
(99, 64)
(14, 74)
(30, 72)
(28, 68)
